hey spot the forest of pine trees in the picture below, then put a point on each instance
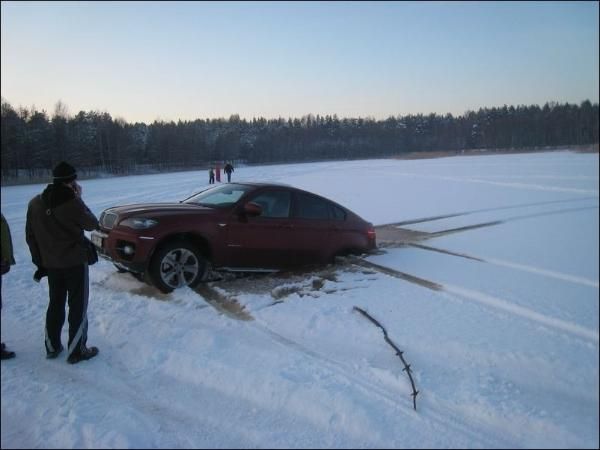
(94, 142)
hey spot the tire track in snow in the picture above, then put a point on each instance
(476, 211)
(512, 265)
(521, 311)
(421, 235)
(491, 301)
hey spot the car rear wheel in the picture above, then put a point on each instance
(175, 265)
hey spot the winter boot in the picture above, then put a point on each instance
(54, 354)
(82, 355)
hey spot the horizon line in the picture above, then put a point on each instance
(158, 119)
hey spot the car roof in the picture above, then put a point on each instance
(263, 184)
(259, 184)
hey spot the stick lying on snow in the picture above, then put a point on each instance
(398, 352)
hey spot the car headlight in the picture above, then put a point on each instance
(138, 223)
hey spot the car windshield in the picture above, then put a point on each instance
(219, 196)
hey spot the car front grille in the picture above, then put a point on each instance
(107, 220)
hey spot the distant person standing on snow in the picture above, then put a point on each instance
(211, 176)
(228, 169)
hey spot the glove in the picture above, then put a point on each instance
(40, 273)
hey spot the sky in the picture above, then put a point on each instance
(499, 323)
(143, 61)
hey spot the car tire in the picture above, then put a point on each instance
(177, 264)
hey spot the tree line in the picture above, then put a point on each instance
(33, 141)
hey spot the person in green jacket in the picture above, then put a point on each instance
(8, 260)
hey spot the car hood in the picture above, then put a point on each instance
(156, 209)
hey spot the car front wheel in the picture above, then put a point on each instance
(176, 265)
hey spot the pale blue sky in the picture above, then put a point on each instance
(186, 60)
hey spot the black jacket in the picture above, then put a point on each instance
(56, 241)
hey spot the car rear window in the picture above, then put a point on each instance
(311, 207)
(338, 213)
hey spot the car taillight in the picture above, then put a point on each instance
(372, 243)
(371, 233)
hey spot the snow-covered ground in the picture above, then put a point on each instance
(502, 339)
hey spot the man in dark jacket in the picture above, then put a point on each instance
(56, 219)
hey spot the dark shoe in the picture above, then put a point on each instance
(88, 353)
(6, 354)
(54, 354)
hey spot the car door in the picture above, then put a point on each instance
(262, 241)
(313, 228)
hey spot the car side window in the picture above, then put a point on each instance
(311, 207)
(275, 204)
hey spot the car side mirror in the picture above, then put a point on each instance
(252, 209)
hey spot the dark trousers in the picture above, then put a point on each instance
(72, 285)
(229, 177)
(1, 276)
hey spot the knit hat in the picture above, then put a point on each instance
(64, 173)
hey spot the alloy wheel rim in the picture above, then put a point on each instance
(179, 268)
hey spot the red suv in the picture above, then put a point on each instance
(235, 227)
